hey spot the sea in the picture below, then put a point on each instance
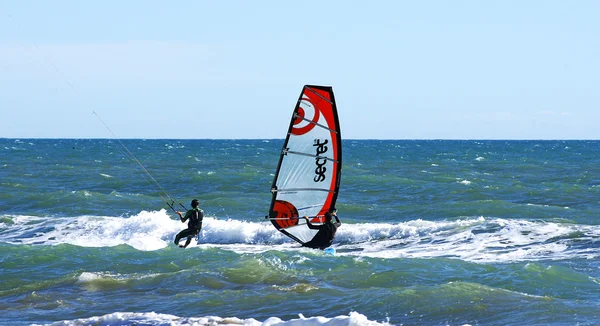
(434, 232)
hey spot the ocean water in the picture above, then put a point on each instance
(434, 233)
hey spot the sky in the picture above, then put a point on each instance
(234, 69)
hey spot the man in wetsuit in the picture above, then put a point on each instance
(323, 238)
(195, 216)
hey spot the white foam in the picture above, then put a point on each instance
(87, 277)
(471, 239)
(503, 241)
(145, 231)
(152, 318)
(90, 278)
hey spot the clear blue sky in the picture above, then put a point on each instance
(234, 69)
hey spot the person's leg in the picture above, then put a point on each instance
(181, 235)
(189, 239)
(178, 237)
(193, 233)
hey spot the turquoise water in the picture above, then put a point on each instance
(434, 233)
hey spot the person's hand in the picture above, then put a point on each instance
(305, 217)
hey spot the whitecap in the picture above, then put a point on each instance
(474, 239)
(87, 277)
(152, 318)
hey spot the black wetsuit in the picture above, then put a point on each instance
(195, 216)
(323, 238)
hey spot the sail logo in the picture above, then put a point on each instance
(306, 117)
(320, 161)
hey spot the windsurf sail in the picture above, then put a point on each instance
(307, 179)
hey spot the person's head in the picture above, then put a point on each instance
(195, 203)
(328, 216)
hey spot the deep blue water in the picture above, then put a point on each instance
(434, 232)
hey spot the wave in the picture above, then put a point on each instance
(475, 239)
(152, 318)
(147, 231)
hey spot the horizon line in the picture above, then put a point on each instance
(345, 139)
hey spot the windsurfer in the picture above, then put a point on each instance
(195, 216)
(326, 233)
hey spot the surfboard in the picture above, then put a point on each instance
(307, 179)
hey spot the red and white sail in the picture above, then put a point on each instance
(307, 179)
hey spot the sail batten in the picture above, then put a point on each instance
(300, 189)
(308, 174)
(316, 124)
(310, 155)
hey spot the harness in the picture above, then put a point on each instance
(196, 219)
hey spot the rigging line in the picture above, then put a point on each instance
(130, 155)
(130, 160)
(49, 61)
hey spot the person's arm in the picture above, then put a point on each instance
(310, 225)
(337, 220)
(183, 218)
